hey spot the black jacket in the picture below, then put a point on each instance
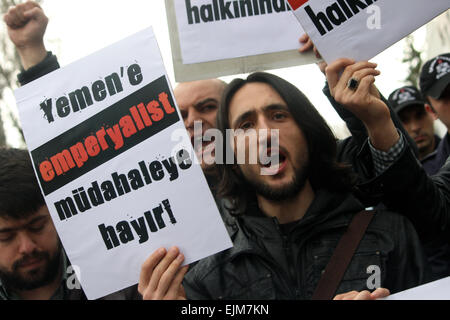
(405, 186)
(436, 160)
(423, 199)
(269, 263)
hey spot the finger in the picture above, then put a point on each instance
(363, 295)
(364, 85)
(360, 74)
(317, 53)
(322, 66)
(21, 18)
(169, 275)
(304, 38)
(339, 297)
(350, 296)
(176, 289)
(12, 17)
(346, 296)
(350, 70)
(162, 267)
(32, 10)
(35, 13)
(182, 293)
(333, 70)
(38, 15)
(30, 5)
(147, 268)
(307, 46)
(380, 293)
(6, 19)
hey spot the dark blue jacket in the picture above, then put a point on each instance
(433, 162)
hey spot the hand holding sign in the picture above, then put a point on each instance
(307, 46)
(107, 165)
(161, 276)
(355, 90)
(360, 29)
(363, 295)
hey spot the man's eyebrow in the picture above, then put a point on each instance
(276, 106)
(6, 230)
(37, 219)
(205, 101)
(242, 117)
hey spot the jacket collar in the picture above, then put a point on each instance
(327, 210)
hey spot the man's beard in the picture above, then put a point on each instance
(285, 192)
(34, 278)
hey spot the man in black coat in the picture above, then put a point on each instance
(288, 222)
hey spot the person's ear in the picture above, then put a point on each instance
(431, 111)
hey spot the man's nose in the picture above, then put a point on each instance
(415, 126)
(26, 243)
(264, 130)
(262, 124)
(192, 116)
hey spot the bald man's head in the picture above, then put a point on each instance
(199, 101)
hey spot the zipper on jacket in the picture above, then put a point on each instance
(289, 258)
(291, 265)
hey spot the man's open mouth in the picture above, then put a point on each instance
(277, 163)
(201, 146)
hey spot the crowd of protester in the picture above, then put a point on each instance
(287, 228)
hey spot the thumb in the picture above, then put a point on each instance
(34, 13)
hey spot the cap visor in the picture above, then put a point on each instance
(439, 87)
(402, 106)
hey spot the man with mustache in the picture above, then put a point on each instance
(32, 263)
(283, 168)
(426, 201)
(400, 182)
(198, 102)
(435, 88)
(289, 223)
(410, 107)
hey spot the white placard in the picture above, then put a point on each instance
(212, 38)
(212, 30)
(436, 290)
(361, 29)
(106, 141)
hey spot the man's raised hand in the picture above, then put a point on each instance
(352, 85)
(26, 24)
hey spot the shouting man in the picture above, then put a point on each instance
(289, 223)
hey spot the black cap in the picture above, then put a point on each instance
(435, 76)
(404, 97)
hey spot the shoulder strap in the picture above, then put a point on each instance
(342, 255)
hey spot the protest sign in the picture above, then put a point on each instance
(361, 29)
(212, 38)
(436, 290)
(115, 164)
